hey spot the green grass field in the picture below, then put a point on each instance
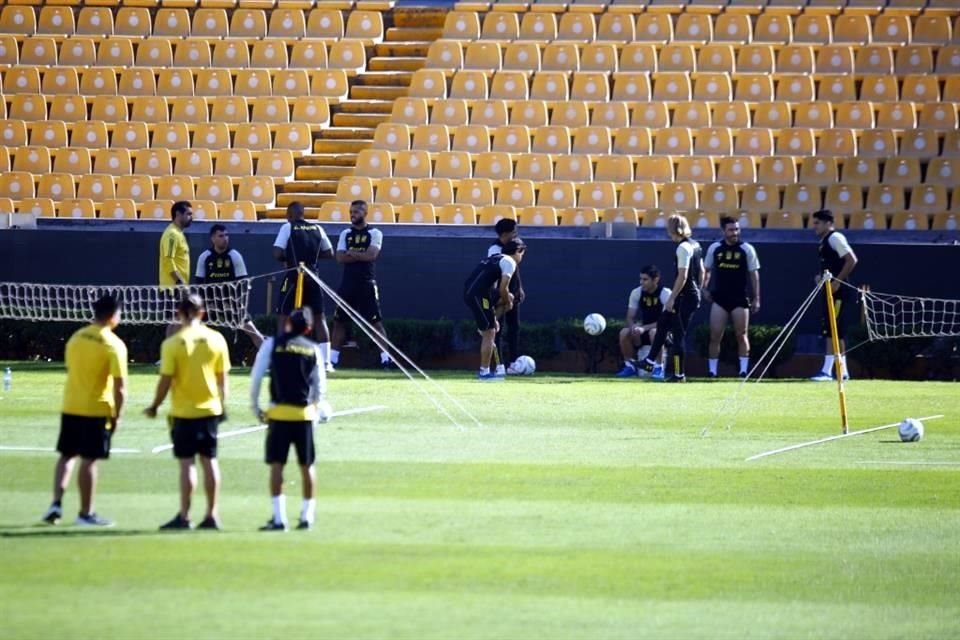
(585, 507)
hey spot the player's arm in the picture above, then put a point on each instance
(631, 317)
(280, 244)
(118, 371)
(168, 248)
(239, 264)
(372, 252)
(343, 255)
(200, 275)
(708, 273)
(260, 366)
(839, 244)
(677, 287)
(167, 369)
(221, 371)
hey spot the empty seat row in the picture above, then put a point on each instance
(161, 52)
(676, 86)
(717, 57)
(773, 115)
(768, 27)
(94, 134)
(126, 209)
(232, 110)
(876, 143)
(329, 83)
(284, 23)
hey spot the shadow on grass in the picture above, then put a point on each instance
(47, 531)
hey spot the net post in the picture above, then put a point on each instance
(298, 294)
(837, 362)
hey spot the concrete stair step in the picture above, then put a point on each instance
(341, 146)
(363, 106)
(413, 34)
(345, 133)
(328, 160)
(400, 63)
(419, 17)
(402, 49)
(323, 172)
(310, 186)
(377, 93)
(359, 119)
(384, 79)
(307, 199)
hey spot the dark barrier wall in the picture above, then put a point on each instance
(422, 277)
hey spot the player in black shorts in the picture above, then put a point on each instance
(838, 258)
(644, 307)
(684, 298)
(301, 241)
(478, 294)
(506, 229)
(357, 250)
(729, 264)
(297, 387)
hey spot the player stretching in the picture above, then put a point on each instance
(220, 263)
(684, 298)
(297, 385)
(301, 241)
(175, 257)
(357, 250)
(647, 300)
(728, 263)
(506, 229)
(495, 271)
(193, 365)
(93, 397)
(838, 258)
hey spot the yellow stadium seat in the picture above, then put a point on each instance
(528, 113)
(712, 141)
(852, 29)
(577, 27)
(56, 186)
(931, 29)
(155, 210)
(175, 82)
(951, 145)
(348, 55)
(609, 114)
(618, 169)
(172, 23)
(254, 136)
(799, 198)
(861, 172)
(878, 144)
(537, 216)
(356, 188)
(308, 54)
(96, 187)
(113, 162)
(757, 88)
(153, 162)
(325, 24)
(550, 85)
(837, 142)
(204, 209)
(154, 52)
(461, 25)
(365, 25)
(760, 198)
(31, 108)
(133, 22)
(891, 29)
(737, 170)
(490, 113)
(597, 56)
(732, 27)
(21, 80)
(50, 133)
(576, 168)
(329, 83)
(813, 115)
(786, 219)
(138, 188)
(695, 169)
(376, 163)
(654, 27)
(516, 193)
(482, 56)
(416, 214)
(234, 163)
(193, 162)
(620, 215)
(258, 190)
(428, 83)
(616, 27)
(592, 140)
(578, 216)
(948, 60)
(252, 83)
(509, 85)
(885, 199)
(677, 57)
(294, 137)
(13, 133)
(214, 188)
(229, 110)
(772, 115)
(95, 21)
(130, 135)
(521, 56)
(560, 56)
(287, 24)
(475, 191)
(942, 171)
(537, 167)
(381, 212)
(896, 115)
(556, 194)
(270, 109)
(34, 160)
(928, 199)
(210, 23)
(61, 81)
(819, 171)
(691, 114)
(9, 51)
(112, 52)
(914, 59)
(118, 209)
(249, 24)
(551, 139)
(451, 112)
(137, 82)
(719, 198)
(74, 160)
(538, 27)
(598, 195)
(455, 165)
(469, 85)
(632, 140)
(105, 108)
(843, 199)
(228, 54)
(903, 172)
(171, 135)
(490, 215)
(431, 137)
(910, 221)
(676, 141)
(411, 111)
(641, 194)
(76, 208)
(679, 196)
(312, 110)
(39, 51)
(493, 166)
(438, 191)
(854, 115)
(291, 83)
(511, 139)
(98, 82)
(777, 170)
(693, 27)
(717, 58)
(635, 86)
(471, 138)
(838, 89)
(638, 57)
(812, 29)
(874, 59)
(456, 214)
(18, 20)
(923, 88)
(773, 28)
(834, 59)
(649, 114)
(393, 137)
(673, 87)
(880, 89)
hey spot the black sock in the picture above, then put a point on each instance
(55, 503)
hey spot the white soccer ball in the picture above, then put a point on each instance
(911, 430)
(524, 366)
(594, 324)
(324, 412)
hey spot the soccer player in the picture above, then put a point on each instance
(357, 250)
(644, 305)
(193, 366)
(297, 387)
(93, 398)
(838, 258)
(684, 298)
(506, 229)
(301, 241)
(495, 271)
(220, 263)
(729, 264)
(175, 254)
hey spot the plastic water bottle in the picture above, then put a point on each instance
(7, 380)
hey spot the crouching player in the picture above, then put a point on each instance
(297, 387)
(643, 311)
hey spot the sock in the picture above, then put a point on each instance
(828, 364)
(384, 357)
(279, 508)
(712, 364)
(484, 370)
(55, 503)
(308, 512)
(335, 356)
(744, 364)
(843, 365)
(325, 352)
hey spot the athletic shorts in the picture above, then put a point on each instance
(729, 302)
(312, 295)
(845, 307)
(195, 436)
(364, 297)
(645, 340)
(281, 434)
(482, 309)
(84, 436)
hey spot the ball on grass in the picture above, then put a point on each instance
(911, 430)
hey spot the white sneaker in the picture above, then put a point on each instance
(501, 371)
(823, 376)
(330, 368)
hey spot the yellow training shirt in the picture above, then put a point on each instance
(193, 357)
(174, 256)
(94, 357)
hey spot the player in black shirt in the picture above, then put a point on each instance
(644, 307)
(506, 229)
(357, 250)
(301, 241)
(220, 263)
(494, 272)
(729, 265)
(684, 298)
(838, 258)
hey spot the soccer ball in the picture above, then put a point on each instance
(594, 324)
(911, 430)
(524, 366)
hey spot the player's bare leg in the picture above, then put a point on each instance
(87, 483)
(188, 482)
(308, 512)
(486, 351)
(61, 480)
(630, 339)
(741, 325)
(211, 485)
(718, 325)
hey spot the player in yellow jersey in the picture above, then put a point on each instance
(193, 368)
(93, 397)
(175, 257)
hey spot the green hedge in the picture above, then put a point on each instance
(761, 337)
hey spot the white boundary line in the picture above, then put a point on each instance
(52, 450)
(908, 463)
(262, 427)
(832, 438)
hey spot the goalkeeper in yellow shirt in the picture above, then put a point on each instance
(194, 363)
(174, 265)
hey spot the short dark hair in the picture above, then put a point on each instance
(295, 209)
(358, 202)
(514, 246)
(651, 271)
(105, 306)
(824, 215)
(181, 206)
(301, 321)
(725, 220)
(217, 228)
(505, 225)
(190, 306)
